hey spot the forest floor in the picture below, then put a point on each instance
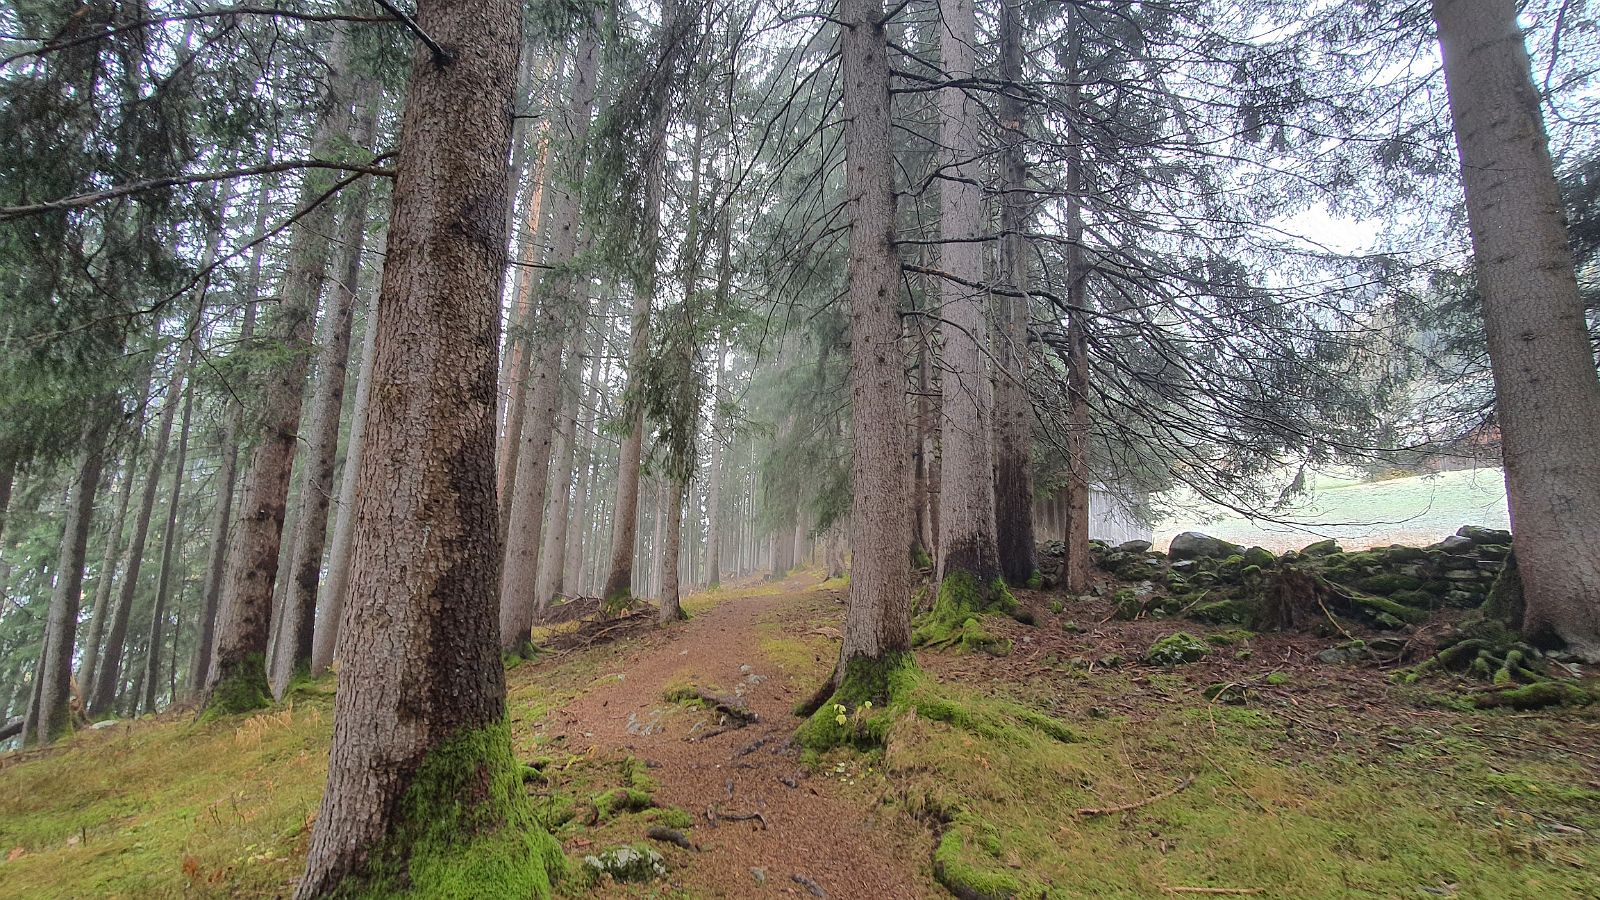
(1302, 779)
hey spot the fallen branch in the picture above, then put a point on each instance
(1129, 807)
(670, 836)
(1172, 889)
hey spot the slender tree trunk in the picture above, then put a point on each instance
(714, 476)
(327, 408)
(1075, 563)
(228, 469)
(1547, 393)
(169, 541)
(878, 615)
(109, 673)
(559, 505)
(108, 572)
(572, 567)
(237, 679)
(671, 603)
(330, 609)
(625, 519)
(423, 792)
(1013, 410)
(8, 478)
(54, 675)
(558, 321)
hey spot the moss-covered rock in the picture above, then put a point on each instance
(1387, 583)
(1224, 612)
(1321, 548)
(1177, 648)
(625, 864)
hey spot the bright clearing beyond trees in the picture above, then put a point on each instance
(708, 448)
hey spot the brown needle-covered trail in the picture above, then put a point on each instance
(833, 836)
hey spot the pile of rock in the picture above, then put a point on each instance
(1213, 580)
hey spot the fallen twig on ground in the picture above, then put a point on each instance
(1128, 807)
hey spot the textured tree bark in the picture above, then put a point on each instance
(1013, 409)
(878, 616)
(8, 478)
(237, 679)
(559, 318)
(1547, 393)
(169, 542)
(422, 785)
(327, 407)
(51, 714)
(1075, 563)
(966, 499)
(228, 468)
(671, 604)
(108, 674)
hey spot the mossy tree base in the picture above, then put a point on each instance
(955, 620)
(463, 829)
(241, 688)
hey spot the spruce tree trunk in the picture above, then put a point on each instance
(54, 676)
(967, 546)
(8, 478)
(713, 573)
(671, 603)
(878, 617)
(327, 408)
(330, 608)
(228, 468)
(106, 577)
(558, 320)
(1075, 563)
(572, 565)
(108, 674)
(169, 541)
(423, 792)
(1013, 409)
(237, 679)
(554, 552)
(1547, 394)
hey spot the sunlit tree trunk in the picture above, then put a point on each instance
(1547, 394)
(424, 794)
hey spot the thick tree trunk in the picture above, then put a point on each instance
(54, 675)
(1013, 410)
(237, 679)
(1547, 393)
(423, 792)
(108, 675)
(327, 407)
(169, 542)
(878, 617)
(559, 318)
(966, 515)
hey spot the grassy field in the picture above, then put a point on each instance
(1418, 510)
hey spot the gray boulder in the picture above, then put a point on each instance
(1194, 545)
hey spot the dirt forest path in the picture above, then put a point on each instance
(830, 833)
